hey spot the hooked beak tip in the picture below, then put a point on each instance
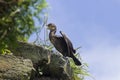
(46, 24)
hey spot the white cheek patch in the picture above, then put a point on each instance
(53, 28)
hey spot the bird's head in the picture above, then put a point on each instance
(51, 26)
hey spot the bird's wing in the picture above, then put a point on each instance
(69, 43)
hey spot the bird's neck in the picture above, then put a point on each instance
(52, 33)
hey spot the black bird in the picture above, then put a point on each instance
(62, 43)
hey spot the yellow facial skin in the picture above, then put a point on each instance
(50, 27)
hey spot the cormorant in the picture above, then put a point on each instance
(62, 43)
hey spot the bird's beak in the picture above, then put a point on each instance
(47, 26)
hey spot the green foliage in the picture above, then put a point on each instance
(17, 20)
(79, 72)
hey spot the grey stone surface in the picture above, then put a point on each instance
(46, 62)
(13, 68)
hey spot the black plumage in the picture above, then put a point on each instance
(62, 43)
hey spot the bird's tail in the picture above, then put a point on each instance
(77, 62)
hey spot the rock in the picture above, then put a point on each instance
(13, 68)
(46, 63)
(30, 51)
